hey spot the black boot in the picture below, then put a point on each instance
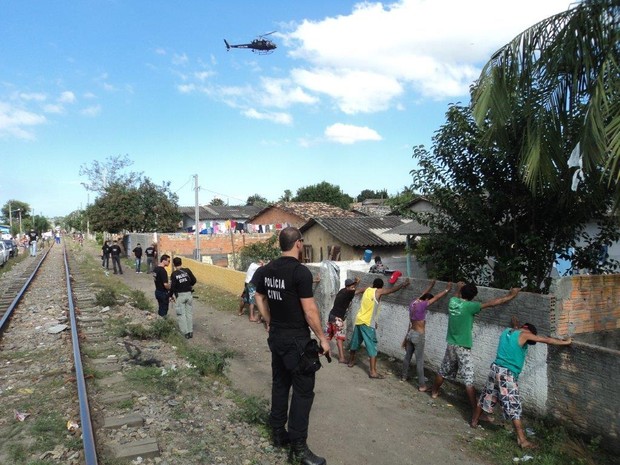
(279, 437)
(301, 454)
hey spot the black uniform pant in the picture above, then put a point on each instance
(116, 261)
(285, 356)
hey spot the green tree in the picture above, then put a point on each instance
(286, 197)
(563, 76)
(102, 175)
(18, 210)
(217, 202)
(487, 214)
(146, 208)
(75, 221)
(400, 201)
(370, 194)
(257, 200)
(324, 192)
(264, 250)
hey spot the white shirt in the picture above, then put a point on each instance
(251, 270)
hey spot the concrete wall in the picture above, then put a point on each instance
(583, 390)
(577, 385)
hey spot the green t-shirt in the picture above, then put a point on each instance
(509, 353)
(461, 314)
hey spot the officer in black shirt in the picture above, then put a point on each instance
(286, 303)
(115, 253)
(162, 286)
(105, 255)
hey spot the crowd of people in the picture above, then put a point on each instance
(279, 294)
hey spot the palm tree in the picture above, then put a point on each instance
(563, 76)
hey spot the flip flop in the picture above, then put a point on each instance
(378, 376)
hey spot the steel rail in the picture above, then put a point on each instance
(88, 437)
(22, 291)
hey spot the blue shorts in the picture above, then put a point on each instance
(250, 293)
(367, 335)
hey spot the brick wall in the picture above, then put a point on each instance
(216, 276)
(215, 248)
(583, 390)
(587, 304)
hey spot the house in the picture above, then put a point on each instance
(372, 207)
(348, 238)
(218, 219)
(282, 214)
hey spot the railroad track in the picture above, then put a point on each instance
(43, 335)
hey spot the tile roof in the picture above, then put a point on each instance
(309, 210)
(362, 231)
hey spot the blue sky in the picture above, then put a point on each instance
(351, 88)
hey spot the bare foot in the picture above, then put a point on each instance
(351, 364)
(487, 418)
(528, 445)
(424, 389)
(434, 394)
(376, 376)
(342, 361)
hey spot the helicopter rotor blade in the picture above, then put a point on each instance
(268, 34)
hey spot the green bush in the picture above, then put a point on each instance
(252, 410)
(139, 300)
(106, 297)
(208, 363)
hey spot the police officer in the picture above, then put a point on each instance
(182, 281)
(286, 303)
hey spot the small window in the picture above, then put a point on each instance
(307, 258)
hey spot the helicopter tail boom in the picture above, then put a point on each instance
(227, 45)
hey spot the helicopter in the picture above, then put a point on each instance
(259, 45)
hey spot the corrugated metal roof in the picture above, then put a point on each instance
(412, 228)
(362, 231)
(223, 212)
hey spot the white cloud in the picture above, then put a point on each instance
(38, 97)
(282, 93)
(276, 117)
(92, 111)
(180, 59)
(364, 60)
(349, 134)
(16, 122)
(67, 97)
(54, 108)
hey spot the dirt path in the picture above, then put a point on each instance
(355, 420)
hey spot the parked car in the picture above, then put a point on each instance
(12, 247)
(4, 253)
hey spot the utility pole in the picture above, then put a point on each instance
(197, 219)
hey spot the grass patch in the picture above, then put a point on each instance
(106, 297)
(162, 328)
(557, 447)
(217, 298)
(154, 379)
(252, 410)
(207, 363)
(139, 300)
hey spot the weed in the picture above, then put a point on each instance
(106, 297)
(251, 409)
(47, 429)
(139, 300)
(153, 379)
(17, 453)
(208, 363)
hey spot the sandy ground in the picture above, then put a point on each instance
(355, 419)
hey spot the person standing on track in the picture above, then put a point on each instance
(285, 301)
(32, 242)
